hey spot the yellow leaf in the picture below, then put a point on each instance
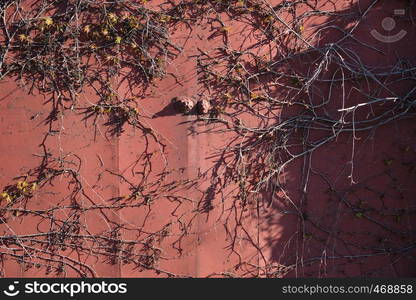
(22, 37)
(112, 17)
(117, 40)
(48, 21)
(165, 18)
(133, 22)
(87, 29)
(5, 196)
(21, 185)
(254, 96)
(226, 29)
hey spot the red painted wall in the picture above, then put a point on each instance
(351, 220)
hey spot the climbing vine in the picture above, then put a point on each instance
(284, 91)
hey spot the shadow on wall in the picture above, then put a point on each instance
(348, 207)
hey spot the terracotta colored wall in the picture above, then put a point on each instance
(329, 238)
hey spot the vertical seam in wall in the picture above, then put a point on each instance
(193, 164)
(117, 186)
